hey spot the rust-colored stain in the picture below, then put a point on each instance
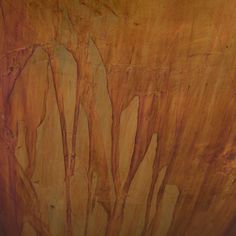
(117, 117)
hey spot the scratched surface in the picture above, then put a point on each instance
(117, 117)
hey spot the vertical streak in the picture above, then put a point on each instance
(90, 177)
(178, 133)
(115, 150)
(142, 141)
(156, 163)
(59, 99)
(30, 140)
(11, 206)
(76, 119)
(155, 173)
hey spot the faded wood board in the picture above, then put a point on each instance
(117, 117)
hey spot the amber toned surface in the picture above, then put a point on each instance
(117, 117)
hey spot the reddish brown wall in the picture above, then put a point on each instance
(117, 117)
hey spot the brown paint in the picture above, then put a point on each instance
(176, 58)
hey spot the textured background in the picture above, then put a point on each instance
(117, 117)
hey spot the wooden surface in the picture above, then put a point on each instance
(117, 117)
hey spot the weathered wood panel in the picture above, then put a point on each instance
(117, 117)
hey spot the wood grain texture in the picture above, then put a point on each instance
(117, 117)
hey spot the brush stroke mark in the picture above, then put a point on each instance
(54, 64)
(169, 201)
(97, 173)
(143, 137)
(33, 121)
(28, 101)
(164, 103)
(14, 63)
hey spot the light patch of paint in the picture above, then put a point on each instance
(160, 179)
(139, 186)
(28, 230)
(67, 86)
(102, 99)
(128, 126)
(169, 201)
(80, 179)
(20, 151)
